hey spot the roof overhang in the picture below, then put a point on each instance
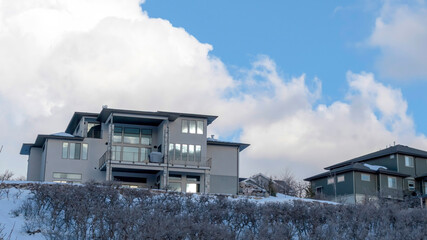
(41, 139)
(77, 116)
(241, 146)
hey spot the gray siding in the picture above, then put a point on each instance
(346, 187)
(420, 166)
(223, 184)
(34, 164)
(404, 169)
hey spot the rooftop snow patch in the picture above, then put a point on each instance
(62, 134)
(374, 167)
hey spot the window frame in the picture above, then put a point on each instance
(330, 180)
(409, 161)
(341, 178)
(366, 175)
(393, 180)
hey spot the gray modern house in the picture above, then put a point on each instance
(394, 172)
(161, 150)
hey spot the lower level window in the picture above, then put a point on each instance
(411, 185)
(193, 187)
(175, 186)
(319, 190)
(67, 176)
(392, 182)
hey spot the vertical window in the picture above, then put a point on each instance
(392, 182)
(365, 177)
(65, 150)
(340, 178)
(331, 180)
(145, 152)
(146, 136)
(198, 153)
(319, 190)
(177, 151)
(191, 152)
(75, 150)
(117, 137)
(115, 154)
(192, 126)
(409, 161)
(131, 135)
(171, 147)
(425, 187)
(199, 127)
(411, 185)
(184, 152)
(84, 151)
(184, 126)
(130, 154)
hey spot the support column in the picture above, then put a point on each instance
(207, 181)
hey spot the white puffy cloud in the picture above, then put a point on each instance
(400, 33)
(64, 56)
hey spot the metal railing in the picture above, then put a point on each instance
(134, 158)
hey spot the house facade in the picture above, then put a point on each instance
(159, 150)
(395, 172)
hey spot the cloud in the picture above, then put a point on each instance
(401, 36)
(64, 56)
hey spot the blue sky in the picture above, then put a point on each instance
(322, 39)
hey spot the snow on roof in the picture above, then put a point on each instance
(62, 134)
(374, 167)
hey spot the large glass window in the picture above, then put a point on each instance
(84, 151)
(198, 153)
(170, 153)
(392, 182)
(175, 186)
(199, 127)
(184, 152)
(146, 136)
(191, 152)
(145, 152)
(409, 161)
(117, 137)
(65, 150)
(93, 130)
(192, 127)
(184, 126)
(131, 135)
(130, 154)
(193, 187)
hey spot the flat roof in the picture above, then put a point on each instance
(40, 140)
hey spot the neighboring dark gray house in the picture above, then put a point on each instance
(137, 149)
(394, 172)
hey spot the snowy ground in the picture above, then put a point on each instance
(11, 199)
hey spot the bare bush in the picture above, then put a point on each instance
(109, 212)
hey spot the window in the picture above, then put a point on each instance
(84, 151)
(131, 135)
(331, 180)
(177, 151)
(174, 177)
(93, 130)
(199, 127)
(365, 177)
(117, 137)
(425, 187)
(198, 153)
(130, 154)
(115, 154)
(184, 126)
(184, 152)
(411, 185)
(319, 190)
(65, 150)
(145, 152)
(409, 161)
(340, 178)
(171, 147)
(392, 182)
(175, 186)
(191, 152)
(193, 184)
(67, 176)
(146, 136)
(74, 150)
(192, 126)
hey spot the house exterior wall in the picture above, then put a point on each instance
(34, 164)
(385, 191)
(364, 187)
(345, 187)
(420, 166)
(224, 171)
(88, 168)
(404, 169)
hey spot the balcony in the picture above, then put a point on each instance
(135, 158)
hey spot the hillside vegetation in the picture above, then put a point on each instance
(95, 211)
